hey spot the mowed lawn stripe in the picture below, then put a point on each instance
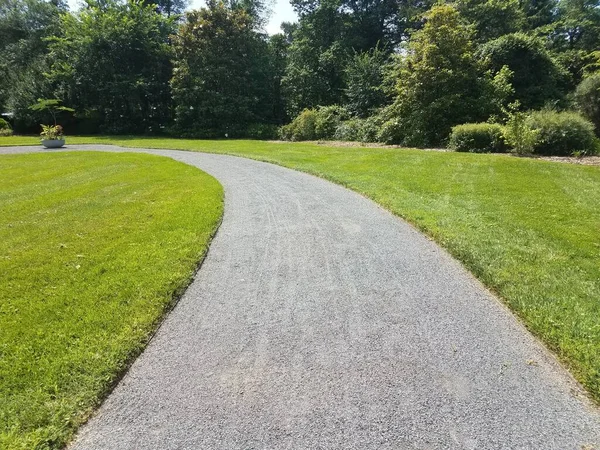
(529, 229)
(94, 248)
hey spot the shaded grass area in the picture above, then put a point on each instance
(94, 248)
(529, 230)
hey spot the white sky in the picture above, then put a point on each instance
(281, 12)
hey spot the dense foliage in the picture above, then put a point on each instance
(5, 129)
(112, 64)
(393, 71)
(440, 82)
(221, 79)
(562, 133)
(536, 76)
(311, 124)
(478, 138)
(587, 98)
(25, 26)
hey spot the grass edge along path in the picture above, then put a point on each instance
(528, 229)
(96, 248)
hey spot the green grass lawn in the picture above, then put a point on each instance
(529, 229)
(94, 248)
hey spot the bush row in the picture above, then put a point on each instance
(556, 133)
(334, 123)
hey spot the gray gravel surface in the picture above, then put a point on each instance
(321, 321)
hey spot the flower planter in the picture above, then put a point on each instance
(53, 143)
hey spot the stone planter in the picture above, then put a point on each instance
(53, 143)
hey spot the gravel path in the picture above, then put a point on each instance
(321, 321)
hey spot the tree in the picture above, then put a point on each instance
(24, 27)
(221, 79)
(440, 83)
(278, 54)
(317, 58)
(171, 7)
(371, 22)
(577, 25)
(364, 80)
(537, 77)
(538, 13)
(112, 64)
(327, 36)
(492, 18)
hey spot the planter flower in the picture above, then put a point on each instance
(52, 136)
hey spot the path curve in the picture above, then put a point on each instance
(321, 321)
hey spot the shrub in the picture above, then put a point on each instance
(5, 129)
(328, 119)
(312, 124)
(478, 138)
(360, 130)
(519, 134)
(391, 132)
(562, 133)
(349, 130)
(302, 128)
(370, 128)
(587, 98)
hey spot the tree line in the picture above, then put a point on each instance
(398, 71)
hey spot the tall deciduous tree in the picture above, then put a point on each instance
(112, 65)
(365, 82)
(440, 83)
(278, 54)
(577, 25)
(24, 25)
(316, 61)
(493, 18)
(221, 76)
(171, 7)
(537, 77)
(330, 32)
(539, 12)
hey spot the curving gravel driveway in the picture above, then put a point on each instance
(321, 321)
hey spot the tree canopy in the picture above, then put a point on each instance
(411, 69)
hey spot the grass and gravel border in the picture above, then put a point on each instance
(95, 248)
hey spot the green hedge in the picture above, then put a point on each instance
(478, 138)
(562, 133)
